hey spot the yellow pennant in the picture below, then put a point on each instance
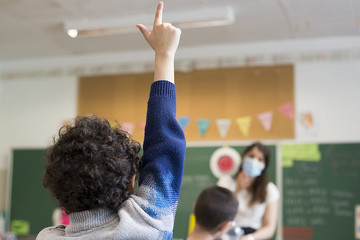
(244, 125)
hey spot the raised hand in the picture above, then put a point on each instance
(164, 38)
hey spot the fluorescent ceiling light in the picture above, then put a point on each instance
(207, 17)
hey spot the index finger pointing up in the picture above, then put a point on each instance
(158, 15)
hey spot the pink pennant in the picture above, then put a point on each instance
(287, 110)
(266, 119)
(128, 127)
(142, 126)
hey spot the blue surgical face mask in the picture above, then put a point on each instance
(253, 167)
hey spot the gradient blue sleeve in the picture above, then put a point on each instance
(164, 151)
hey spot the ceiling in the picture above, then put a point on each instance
(34, 28)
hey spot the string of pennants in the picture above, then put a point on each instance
(244, 123)
(223, 124)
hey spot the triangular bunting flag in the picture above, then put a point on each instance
(113, 124)
(266, 119)
(183, 121)
(142, 126)
(244, 125)
(203, 125)
(287, 110)
(128, 127)
(223, 126)
(66, 123)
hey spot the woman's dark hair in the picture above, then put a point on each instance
(259, 186)
(91, 165)
(215, 205)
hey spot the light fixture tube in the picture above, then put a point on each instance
(207, 17)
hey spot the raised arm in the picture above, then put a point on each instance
(162, 163)
(164, 39)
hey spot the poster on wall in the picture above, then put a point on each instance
(307, 124)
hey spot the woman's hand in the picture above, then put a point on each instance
(247, 237)
(243, 181)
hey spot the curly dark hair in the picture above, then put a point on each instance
(91, 165)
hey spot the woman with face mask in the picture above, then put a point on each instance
(258, 198)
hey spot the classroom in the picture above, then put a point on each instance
(289, 79)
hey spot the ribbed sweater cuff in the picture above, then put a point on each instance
(163, 88)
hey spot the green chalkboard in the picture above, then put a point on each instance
(320, 191)
(197, 176)
(30, 201)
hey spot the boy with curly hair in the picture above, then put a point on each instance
(91, 167)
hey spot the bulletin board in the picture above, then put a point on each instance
(321, 191)
(255, 102)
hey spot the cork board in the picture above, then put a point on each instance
(227, 93)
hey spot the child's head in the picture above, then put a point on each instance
(91, 165)
(215, 208)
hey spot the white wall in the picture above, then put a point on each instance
(332, 92)
(31, 112)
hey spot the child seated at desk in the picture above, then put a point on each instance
(215, 209)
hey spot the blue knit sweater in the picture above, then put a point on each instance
(150, 213)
